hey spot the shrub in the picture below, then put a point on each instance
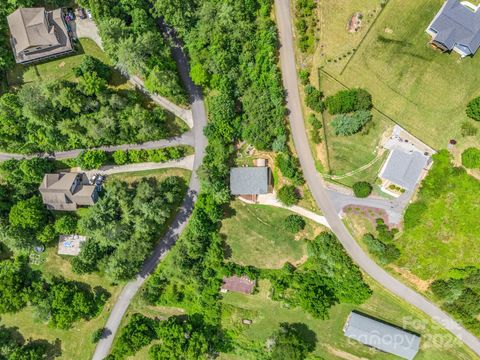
(120, 157)
(473, 109)
(97, 335)
(315, 136)
(288, 195)
(471, 158)
(346, 101)
(385, 252)
(468, 129)
(362, 189)
(313, 120)
(304, 76)
(294, 223)
(290, 167)
(313, 98)
(66, 224)
(91, 159)
(90, 64)
(346, 125)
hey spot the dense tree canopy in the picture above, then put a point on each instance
(123, 224)
(288, 343)
(61, 115)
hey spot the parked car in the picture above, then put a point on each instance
(89, 14)
(81, 13)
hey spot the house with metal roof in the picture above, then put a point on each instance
(456, 27)
(404, 169)
(67, 191)
(37, 34)
(249, 182)
(382, 336)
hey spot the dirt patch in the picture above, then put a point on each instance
(62, 64)
(355, 23)
(388, 30)
(420, 284)
(343, 354)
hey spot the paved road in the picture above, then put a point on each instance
(187, 138)
(181, 219)
(318, 189)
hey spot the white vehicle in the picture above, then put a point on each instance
(89, 14)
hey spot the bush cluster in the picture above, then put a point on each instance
(349, 124)
(288, 195)
(382, 246)
(473, 109)
(346, 101)
(294, 223)
(313, 98)
(362, 189)
(471, 158)
(290, 167)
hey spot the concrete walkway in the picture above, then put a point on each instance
(320, 194)
(183, 163)
(271, 200)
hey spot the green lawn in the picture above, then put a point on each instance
(61, 68)
(266, 315)
(447, 233)
(159, 174)
(422, 89)
(255, 236)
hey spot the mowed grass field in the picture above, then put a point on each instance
(436, 343)
(255, 235)
(424, 90)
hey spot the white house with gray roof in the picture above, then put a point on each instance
(382, 336)
(456, 27)
(249, 182)
(404, 169)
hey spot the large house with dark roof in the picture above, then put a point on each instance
(67, 191)
(37, 34)
(456, 27)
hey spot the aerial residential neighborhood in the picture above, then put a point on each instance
(261, 179)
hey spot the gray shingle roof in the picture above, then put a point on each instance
(249, 180)
(382, 336)
(404, 169)
(457, 25)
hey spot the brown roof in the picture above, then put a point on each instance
(238, 284)
(38, 34)
(30, 28)
(66, 191)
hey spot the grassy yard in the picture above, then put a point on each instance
(412, 83)
(446, 235)
(61, 68)
(330, 341)
(336, 43)
(159, 174)
(255, 236)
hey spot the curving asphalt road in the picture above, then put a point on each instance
(181, 219)
(187, 138)
(320, 193)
